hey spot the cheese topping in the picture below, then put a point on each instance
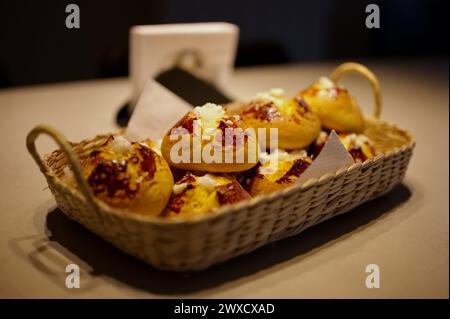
(276, 96)
(121, 145)
(270, 161)
(325, 83)
(209, 114)
(207, 181)
(179, 188)
(327, 88)
(358, 140)
(322, 138)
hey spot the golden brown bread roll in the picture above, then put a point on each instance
(195, 195)
(278, 170)
(297, 125)
(336, 108)
(128, 175)
(213, 141)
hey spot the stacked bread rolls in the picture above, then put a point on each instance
(216, 156)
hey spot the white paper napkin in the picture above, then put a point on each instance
(331, 158)
(156, 111)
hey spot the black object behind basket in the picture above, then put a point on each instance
(186, 85)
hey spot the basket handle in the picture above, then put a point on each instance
(352, 67)
(67, 150)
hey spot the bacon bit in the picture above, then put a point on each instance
(340, 90)
(175, 204)
(296, 170)
(303, 106)
(265, 111)
(176, 201)
(110, 178)
(187, 122)
(93, 158)
(223, 125)
(357, 154)
(148, 163)
(231, 193)
(226, 124)
(188, 178)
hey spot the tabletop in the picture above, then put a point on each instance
(404, 232)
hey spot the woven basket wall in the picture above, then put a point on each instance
(234, 230)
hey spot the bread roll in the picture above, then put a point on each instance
(278, 170)
(208, 139)
(195, 195)
(129, 175)
(336, 108)
(297, 125)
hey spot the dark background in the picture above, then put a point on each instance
(36, 47)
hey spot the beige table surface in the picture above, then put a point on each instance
(404, 232)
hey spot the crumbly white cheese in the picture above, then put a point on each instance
(270, 161)
(121, 145)
(326, 87)
(208, 132)
(179, 188)
(358, 140)
(322, 138)
(275, 96)
(325, 83)
(209, 114)
(282, 155)
(207, 181)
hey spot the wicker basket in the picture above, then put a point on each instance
(233, 230)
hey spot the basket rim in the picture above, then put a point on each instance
(246, 204)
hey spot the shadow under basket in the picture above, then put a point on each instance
(195, 244)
